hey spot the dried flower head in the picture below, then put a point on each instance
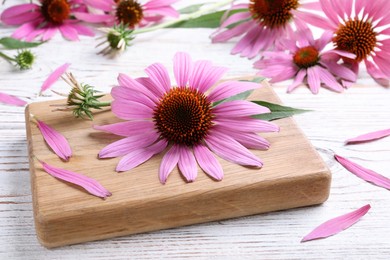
(81, 99)
(117, 39)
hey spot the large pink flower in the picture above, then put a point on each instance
(45, 19)
(133, 13)
(306, 60)
(185, 120)
(262, 24)
(361, 27)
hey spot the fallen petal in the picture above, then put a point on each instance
(91, 185)
(369, 136)
(55, 140)
(54, 76)
(336, 225)
(11, 100)
(364, 173)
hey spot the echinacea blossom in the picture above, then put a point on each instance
(53, 77)
(306, 61)
(364, 173)
(81, 99)
(89, 184)
(363, 28)
(55, 140)
(45, 19)
(261, 24)
(182, 119)
(11, 100)
(338, 224)
(133, 13)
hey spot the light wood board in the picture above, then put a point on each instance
(293, 175)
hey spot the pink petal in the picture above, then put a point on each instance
(103, 5)
(329, 80)
(207, 161)
(54, 76)
(247, 124)
(68, 32)
(182, 67)
(128, 144)
(128, 128)
(336, 225)
(11, 100)
(187, 164)
(162, 11)
(24, 30)
(249, 140)
(55, 140)
(122, 93)
(376, 74)
(315, 20)
(129, 110)
(230, 88)
(89, 184)
(168, 162)
(18, 14)
(93, 18)
(139, 156)
(369, 136)
(313, 79)
(239, 108)
(142, 85)
(158, 3)
(83, 30)
(159, 76)
(231, 150)
(364, 173)
(298, 80)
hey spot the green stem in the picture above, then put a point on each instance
(6, 57)
(184, 17)
(103, 104)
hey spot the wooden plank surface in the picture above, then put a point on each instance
(66, 215)
(276, 235)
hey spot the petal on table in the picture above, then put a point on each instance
(336, 225)
(89, 184)
(54, 76)
(369, 136)
(364, 173)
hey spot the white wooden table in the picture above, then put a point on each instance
(276, 235)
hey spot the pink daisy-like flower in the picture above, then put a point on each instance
(133, 13)
(361, 27)
(262, 24)
(45, 19)
(307, 60)
(185, 119)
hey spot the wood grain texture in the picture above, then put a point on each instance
(65, 215)
(276, 235)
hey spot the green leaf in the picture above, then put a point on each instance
(190, 9)
(277, 111)
(12, 44)
(211, 20)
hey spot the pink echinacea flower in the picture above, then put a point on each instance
(45, 19)
(306, 60)
(361, 27)
(134, 13)
(261, 24)
(184, 119)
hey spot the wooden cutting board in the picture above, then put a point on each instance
(293, 175)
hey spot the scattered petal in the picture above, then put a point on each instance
(369, 136)
(336, 225)
(54, 76)
(11, 100)
(55, 140)
(364, 173)
(89, 184)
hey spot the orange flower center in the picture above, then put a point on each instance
(183, 116)
(129, 12)
(357, 37)
(306, 57)
(55, 11)
(272, 13)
